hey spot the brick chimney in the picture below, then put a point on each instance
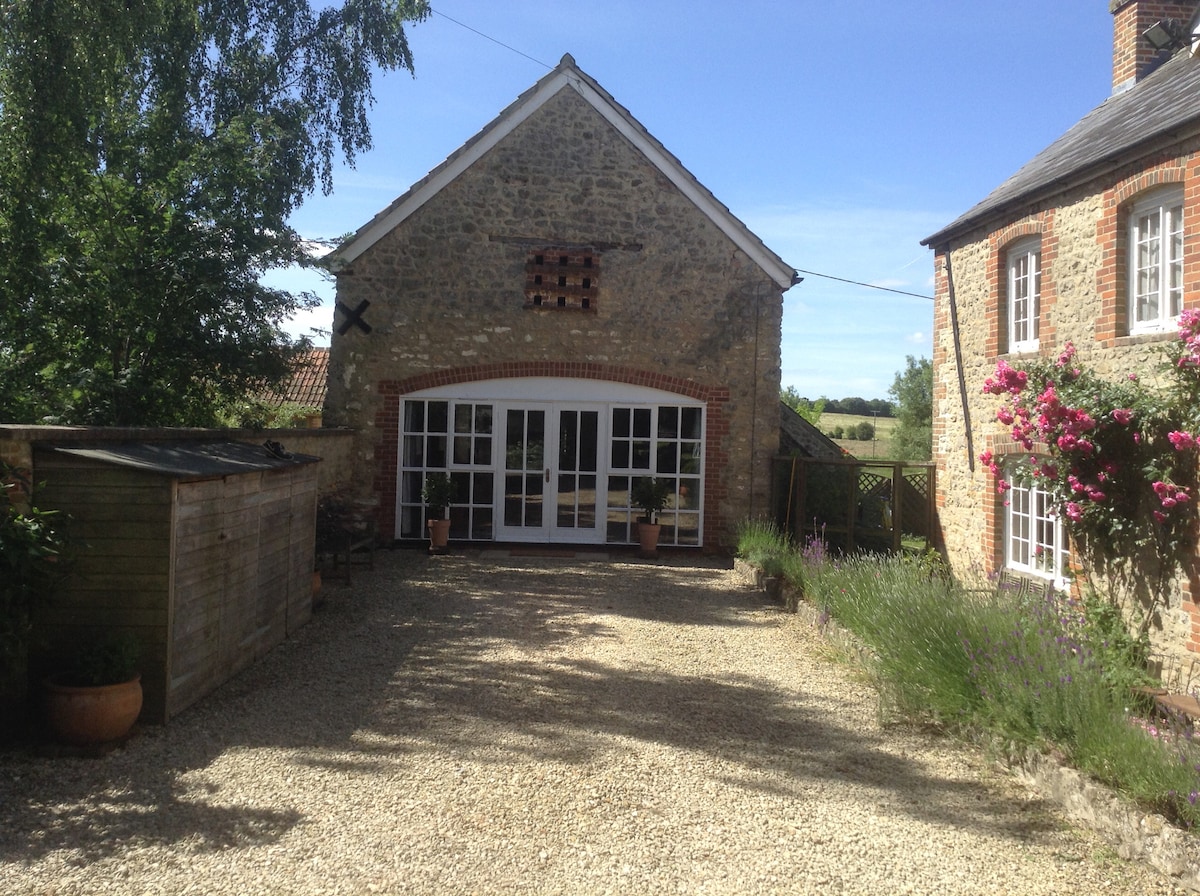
(1131, 54)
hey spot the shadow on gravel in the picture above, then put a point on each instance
(398, 665)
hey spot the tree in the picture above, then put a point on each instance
(809, 410)
(912, 439)
(151, 152)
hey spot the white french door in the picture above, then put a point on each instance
(550, 484)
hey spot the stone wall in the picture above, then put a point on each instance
(1083, 295)
(678, 305)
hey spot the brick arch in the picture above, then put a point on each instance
(717, 425)
(1040, 224)
(1112, 237)
(562, 369)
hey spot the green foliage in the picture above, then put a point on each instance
(254, 413)
(809, 410)
(761, 544)
(651, 495)
(864, 432)
(912, 439)
(32, 562)
(1118, 458)
(437, 493)
(112, 659)
(151, 153)
(1032, 671)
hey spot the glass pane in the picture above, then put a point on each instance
(481, 489)
(414, 416)
(481, 524)
(435, 452)
(462, 417)
(537, 440)
(462, 449)
(514, 445)
(439, 414)
(483, 450)
(641, 456)
(689, 457)
(483, 418)
(620, 455)
(689, 494)
(566, 501)
(568, 436)
(641, 422)
(668, 423)
(589, 440)
(513, 500)
(690, 428)
(586, 502)
(413, 455)
(533, 499)
(621, 417)
(667, 452)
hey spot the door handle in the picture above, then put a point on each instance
(547, 474)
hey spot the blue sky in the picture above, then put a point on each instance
(841, 134)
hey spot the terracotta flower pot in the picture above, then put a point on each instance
(92, 715)
(439, 536)
(648, 539)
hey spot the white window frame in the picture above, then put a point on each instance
(1155, 260)
(1035, 540)
(1024, 266)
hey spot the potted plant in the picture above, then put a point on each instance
(33, 560)
(437, 493)
(650, 494)
(99, 697)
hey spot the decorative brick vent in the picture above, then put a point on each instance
(562, 278)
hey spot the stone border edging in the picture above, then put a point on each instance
(1136, 835)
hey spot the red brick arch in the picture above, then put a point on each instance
(715, 398)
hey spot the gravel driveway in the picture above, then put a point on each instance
(480, 723)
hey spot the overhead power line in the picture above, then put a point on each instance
(548, 66)
(915, 295)
(489, 37)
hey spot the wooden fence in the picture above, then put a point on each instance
(855, 505)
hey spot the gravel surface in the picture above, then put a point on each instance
(480, 723)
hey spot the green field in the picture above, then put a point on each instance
(883, 433)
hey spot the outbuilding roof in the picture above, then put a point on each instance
(563, 77)
(1159, 110)
(189, 460)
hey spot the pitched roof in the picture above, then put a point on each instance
(565, 76)
(1159, 110)
(798, 436)
(308, 383)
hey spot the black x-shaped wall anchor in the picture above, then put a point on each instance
(353, 318)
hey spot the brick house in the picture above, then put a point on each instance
(1096, 241)
(557, 309)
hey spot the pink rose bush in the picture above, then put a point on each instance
(1116, 457)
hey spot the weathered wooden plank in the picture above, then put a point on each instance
(101, 617)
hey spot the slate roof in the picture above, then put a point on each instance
(1161, 109)
(798, 436)
(565, 76)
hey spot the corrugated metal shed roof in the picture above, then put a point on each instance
(1162, 108)
(188, 460)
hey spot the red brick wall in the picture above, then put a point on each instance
(1131, 53)
(717, 424)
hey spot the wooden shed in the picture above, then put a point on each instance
(204, 550)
